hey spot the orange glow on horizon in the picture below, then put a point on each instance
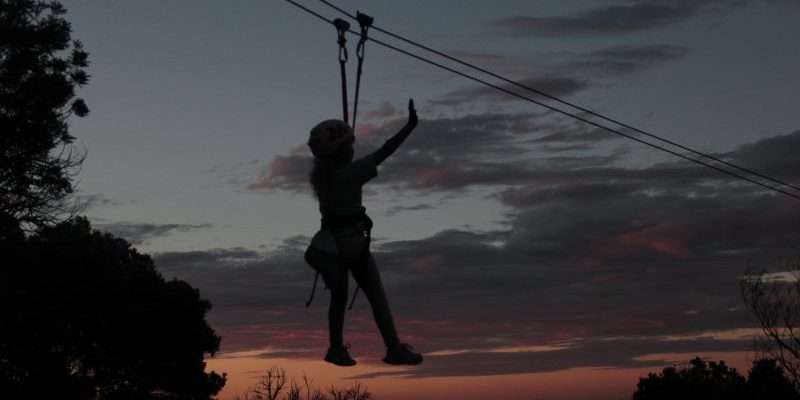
(243, 368)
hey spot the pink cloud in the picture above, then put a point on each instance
(283, 172)
(426, 263)
(665, 238)
(384, 111)
(431, 176)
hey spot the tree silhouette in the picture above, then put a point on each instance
(83, 315)
(702, 380)
(775, 302)
(40, 68)
(768, 381)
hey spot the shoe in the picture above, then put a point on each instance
(338, 355)
(402, 354)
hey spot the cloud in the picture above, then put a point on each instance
(459, 152)
(622, 60)
(576, 134)
(385, 111)
(603, 257)
(631, 16)
(562, 79)
(599, 269)
(560, 86)
(138, 233)
(529, 150)
(209, 259)
(501, 63)
(284, 172)
(456, 152)
(417, 207)
(773, 156)
(597, 353)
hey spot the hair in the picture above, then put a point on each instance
(321, 177)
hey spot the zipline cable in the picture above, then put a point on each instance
(565, 102)
(552, 108)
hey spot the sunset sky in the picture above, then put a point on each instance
(526, 255)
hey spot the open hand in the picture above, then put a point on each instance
(412, 114)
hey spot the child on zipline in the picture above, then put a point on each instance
(337, 180)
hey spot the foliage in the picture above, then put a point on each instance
(83, 315)
(716, 381)
(40, 69)
(274, 382)
(775, 302)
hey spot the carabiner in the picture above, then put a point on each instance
(342, 27)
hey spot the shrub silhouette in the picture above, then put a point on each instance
(273, 385)
(716, 381)
(83, 315)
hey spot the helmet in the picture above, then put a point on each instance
(328, 137)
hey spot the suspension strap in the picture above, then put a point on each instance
(342, 27)
(313, 289)
(365, 21)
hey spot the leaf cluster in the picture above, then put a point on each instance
(41, 68)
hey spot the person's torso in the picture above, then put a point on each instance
(344, 196)
(343, 199)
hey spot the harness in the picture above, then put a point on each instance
(332, 222)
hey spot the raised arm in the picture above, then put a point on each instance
(395, 141)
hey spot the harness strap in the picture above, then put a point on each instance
(342, 27)
(313, 290)
(365, 21)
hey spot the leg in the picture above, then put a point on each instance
(335, 277)
(355, 251)
(367, 275)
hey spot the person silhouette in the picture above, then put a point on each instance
(342, 243)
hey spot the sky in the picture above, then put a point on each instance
(525, 254)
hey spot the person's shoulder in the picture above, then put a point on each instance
(367, 160)
(359, 170)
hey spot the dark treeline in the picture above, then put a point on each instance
(85, 316)
(701, 380)
(82, 314)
